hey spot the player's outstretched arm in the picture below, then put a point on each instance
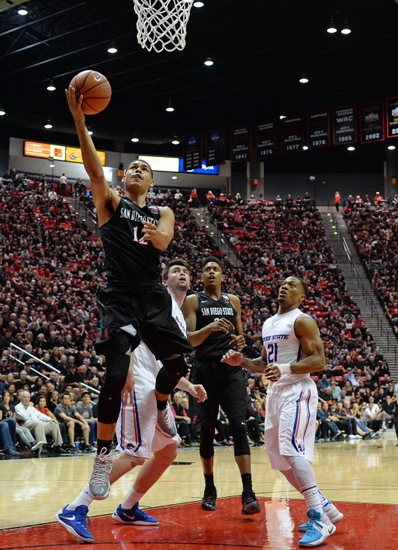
(236, 359)
(105, 200)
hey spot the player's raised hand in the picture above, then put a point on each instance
(222, 324)
(237, 342)
(233, 358)
(148, 231)
(198, 391)
(75, 105)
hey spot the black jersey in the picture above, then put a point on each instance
(208, 311)
(128, 260)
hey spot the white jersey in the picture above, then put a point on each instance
(282, 345)
(136, 430)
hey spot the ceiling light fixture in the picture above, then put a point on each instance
(198, 4)
(169, 107)
(135, 138)
(48, 124)
(346, 28)
(305, 147)
(175, 140)
(51, 87)
(209, 62)
(351, 148)
(332, 27)
(112, 48)
(89, 130)
(303, 79)
(2, 111)
(391, 147)
(23, 11)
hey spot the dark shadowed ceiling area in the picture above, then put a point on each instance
(260, 49)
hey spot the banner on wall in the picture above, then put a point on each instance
(215, 148)
(344, 125)
(74, 154)
(57, 152)
(192, 151)
(265, 140)
(392, 117)
(292, 134)
(371, 122)
(43, 150)
(240, 143)
(319, 129)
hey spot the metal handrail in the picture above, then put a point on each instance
(24, 352)
(381, 323)
(47, 365)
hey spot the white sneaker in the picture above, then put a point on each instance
(351, 436)
(319, 529)
(332, 513)
(358, 436)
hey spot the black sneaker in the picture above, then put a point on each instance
(250, 504)
(209, 499)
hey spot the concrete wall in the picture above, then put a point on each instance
(233, 178)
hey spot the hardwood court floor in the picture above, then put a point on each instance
(361, 477)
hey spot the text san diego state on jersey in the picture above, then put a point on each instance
(128, 260)
(208, 311)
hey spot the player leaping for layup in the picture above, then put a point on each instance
(133, 303)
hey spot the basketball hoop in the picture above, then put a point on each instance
(162, 24)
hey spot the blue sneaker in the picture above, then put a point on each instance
(134, 516)
(75, 521)
(332, 513)
(319, 529)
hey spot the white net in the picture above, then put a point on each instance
(162, 24)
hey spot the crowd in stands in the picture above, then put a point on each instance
(51, 265)
(375, 234)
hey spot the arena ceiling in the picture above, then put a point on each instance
(260, 49)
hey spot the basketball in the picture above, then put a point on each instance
(95, 89)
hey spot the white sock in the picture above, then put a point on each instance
(132, 498)
(312, 498)
(84, 498)
(323, 499)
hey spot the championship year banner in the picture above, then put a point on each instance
(215, 148)
(265, 140)
(192, 151)
(319, 129)
(240, 143)
(292, 134)
(344, 125)
(392, 117)
(372, 122)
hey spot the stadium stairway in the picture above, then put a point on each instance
(359, 287)
(204, 220)
(84, 213)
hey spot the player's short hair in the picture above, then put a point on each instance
(304, 285)
(85, 393)
(165, 272)
(209, 259)
(142, 160)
